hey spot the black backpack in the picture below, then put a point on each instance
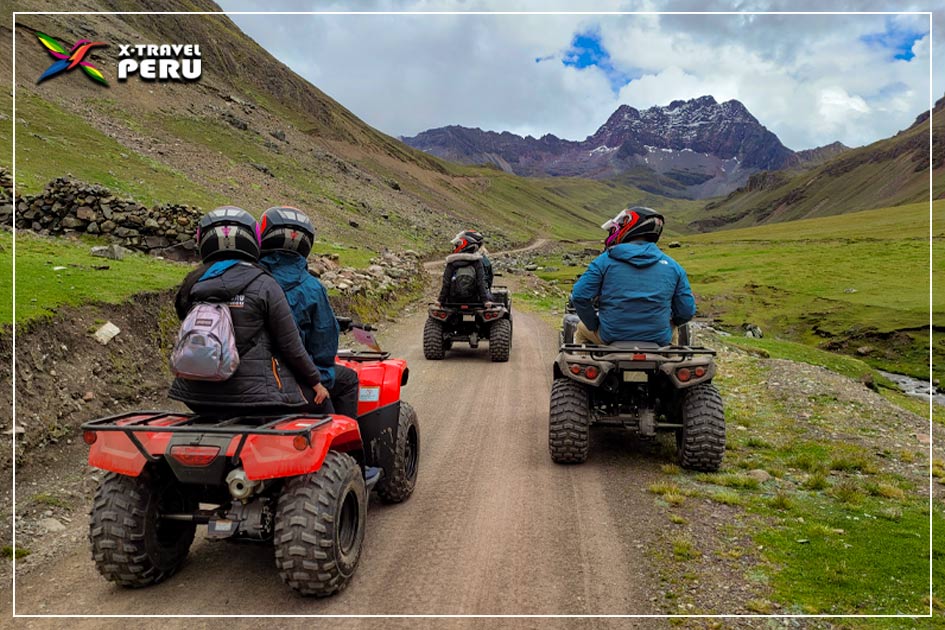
(464, 284)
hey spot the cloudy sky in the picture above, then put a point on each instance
(811, 79)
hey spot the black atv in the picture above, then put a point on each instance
(470, 323)
(642, 387)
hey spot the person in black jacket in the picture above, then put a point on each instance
(274, 365)
(464, 278)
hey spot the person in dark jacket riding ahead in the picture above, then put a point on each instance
(464, 279)
(642, 292)
(274, 366)
(286, 236)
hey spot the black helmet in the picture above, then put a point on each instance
(467, 242)
(227, 232)
(632, 224)
(287, 229)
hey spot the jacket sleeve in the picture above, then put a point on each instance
(285, 333)
(484, 294)
(445, 289)
(182, 301)
(684, 304)
(487, 268)
(585, 290)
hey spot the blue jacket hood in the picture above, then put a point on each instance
(287, 268)
(636, 254)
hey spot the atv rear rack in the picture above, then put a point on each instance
(244, 426)
(600, 351)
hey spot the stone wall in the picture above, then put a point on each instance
(6, 197)
(67, 206)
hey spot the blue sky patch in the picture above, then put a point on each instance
(897, 39)
(586, 50)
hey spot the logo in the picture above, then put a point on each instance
(67, 60)
(159, 62)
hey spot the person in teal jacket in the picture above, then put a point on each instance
(286, 236)
(641, 292)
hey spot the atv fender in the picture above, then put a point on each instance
(379, 382)
(262, 456)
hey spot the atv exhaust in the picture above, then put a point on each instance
(240, 487)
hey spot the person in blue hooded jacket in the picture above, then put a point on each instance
(641, 293)
(286, 237)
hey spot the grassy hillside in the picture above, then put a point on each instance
(253, 133)
(857, 283)
(890, 172)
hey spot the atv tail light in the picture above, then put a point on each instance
(300, 442)
(89, 437)
(639, 356)
(699, 372)
(591, 372)
(196, 456)
(683, 374)
(575, 369)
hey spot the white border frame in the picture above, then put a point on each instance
(477, 616)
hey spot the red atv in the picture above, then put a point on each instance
(301, 481)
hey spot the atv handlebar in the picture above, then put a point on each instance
(345, 324)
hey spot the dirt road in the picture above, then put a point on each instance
(494, 527)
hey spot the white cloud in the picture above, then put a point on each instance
(810, 79)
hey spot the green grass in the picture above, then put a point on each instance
(875, 566)
(40, 289)
(21, 552)
(843, 282)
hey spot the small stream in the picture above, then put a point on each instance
(916, 387)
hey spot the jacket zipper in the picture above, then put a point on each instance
(275, 372)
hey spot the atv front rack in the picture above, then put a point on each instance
(195, 424)
(599, 351)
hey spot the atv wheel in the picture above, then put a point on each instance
(399, 483)
(131, 544)
(319, 527)
(569, 422)
(700, 444)
(500, 340)
(433, 340)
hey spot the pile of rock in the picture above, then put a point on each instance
(6, 197)
(68, 206)
(388, 273)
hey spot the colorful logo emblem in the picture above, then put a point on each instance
(69, 59)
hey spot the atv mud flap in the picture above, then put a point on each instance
(379, 436)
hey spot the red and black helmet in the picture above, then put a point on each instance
(632, 224)
(288, 229)
(227, 232)
(467, 242)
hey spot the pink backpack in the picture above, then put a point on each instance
(206, 344)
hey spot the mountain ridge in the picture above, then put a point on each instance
(733, 144)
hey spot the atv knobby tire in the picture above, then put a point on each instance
(701, 442)
(396, 485)
(433, 349)
(569, 422)
(500, 340)
(131, 545)
(319, 526)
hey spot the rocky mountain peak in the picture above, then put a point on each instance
(704, 146)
